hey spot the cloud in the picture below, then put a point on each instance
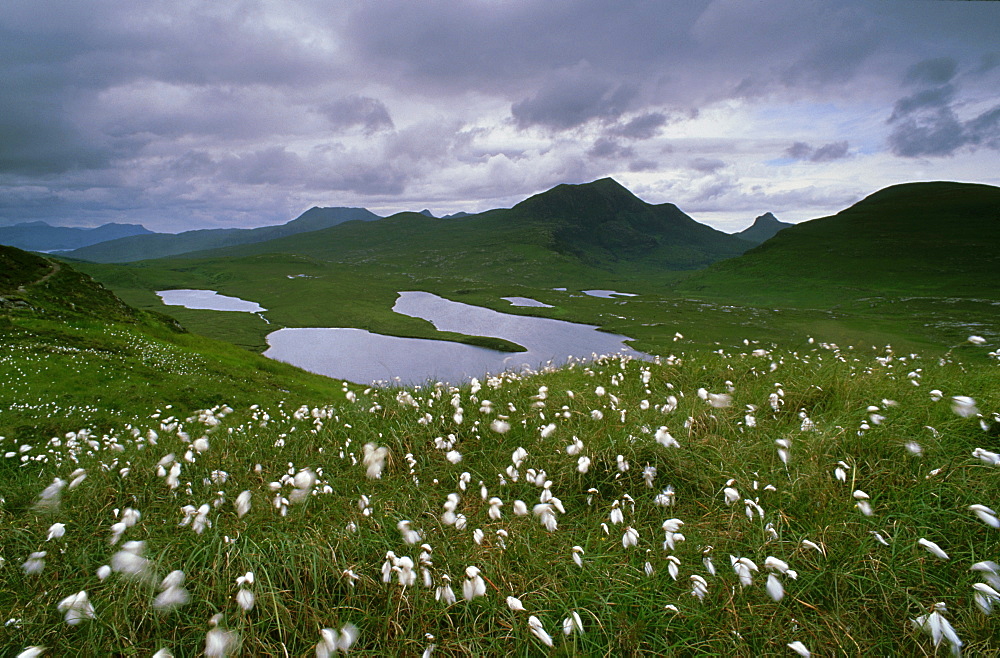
(707, 165)
(572, 97)
(644, 126)
(368, 113)
(826, 153)
(935, 71)
(609, 148)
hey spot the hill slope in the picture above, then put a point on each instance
(161, 245)
(39, 236)
(69, 346)
(915, 239)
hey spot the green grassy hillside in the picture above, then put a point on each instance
(68, 346)
(917, 239)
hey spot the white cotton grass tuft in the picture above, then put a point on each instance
(964, 406)
(986, 515)
(799, 648)
(573, 624)
(473, 586)
(515, 604)
(77, 608)
(331, 641)
(56, 531)
(535, 625)
(35, 563)
(172, 594)
(374, 460)
(939, 628)
(243, 504)
(933, 548)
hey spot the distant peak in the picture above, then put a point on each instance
(427, 213)
(766, 218)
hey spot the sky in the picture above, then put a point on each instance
(240, 113)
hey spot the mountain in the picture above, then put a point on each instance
(39, 236)
(762, 229)
(161, 245)
(915, 239)
(595, 225)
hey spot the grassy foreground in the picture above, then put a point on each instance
(319, 525)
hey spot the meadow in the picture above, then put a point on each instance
(749, 501)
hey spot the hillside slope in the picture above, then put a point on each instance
(162, 245)
(69, 346)
(914, 239)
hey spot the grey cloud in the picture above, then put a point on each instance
(937, 97)
(939, 132)
(706, 165)
(936, 71)
(573, 97)
(609, 148)
(368, 113)
(643, 165)
(826, 153)
(645, 126)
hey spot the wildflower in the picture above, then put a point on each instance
(573, 624)
(374, 460)
(444, 592)
(914, 448)
(933, 548)
(548, 430)
(103, 572)
(577, 552)
(546, 516)
(172, 595)
(77, 608)
(985, 596)
(536, 627)
(743, 568)
(963, 406)
(699, 587)
(630, 538)
(616, 515)
(863, 503)
(500, 426)
(243, 504)
(56, 531)
(31, 652)
(673, 566)
(986, 515)
(774, 588)
(664, 438)
(35, 563)
(409, 536)
(129, 561)
(51, 496)
(220, 642)
(976, 340)
(515, 604)
(799, 648)
(583, 464)
(987, 457)
(473, 585)
(939, 628)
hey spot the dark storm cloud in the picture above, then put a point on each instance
(936, 71)
(369, 113)
(937, 131)
(826, 153)
(572, 97)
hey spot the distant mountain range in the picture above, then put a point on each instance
(763, 229)
(162, 245)
(914, 239)
(39, 236)
(599, 224)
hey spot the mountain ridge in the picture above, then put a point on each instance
(163, 245)
(764, 228)
(42, 236)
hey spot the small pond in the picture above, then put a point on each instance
(608, 294)
(208, 300)
(526, 301)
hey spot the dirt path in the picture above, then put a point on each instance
(55, 270)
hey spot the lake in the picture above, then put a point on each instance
(364, 357)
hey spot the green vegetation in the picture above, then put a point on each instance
(318, 563)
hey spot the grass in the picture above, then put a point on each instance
(855, 596)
